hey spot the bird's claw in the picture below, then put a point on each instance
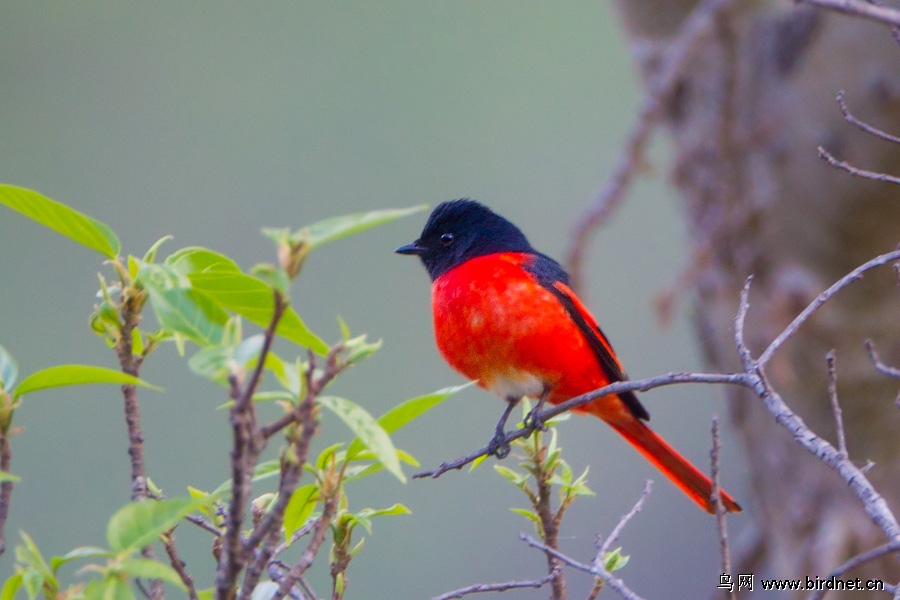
(534, 420)
(498, 446)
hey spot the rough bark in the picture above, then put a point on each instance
(755, 100)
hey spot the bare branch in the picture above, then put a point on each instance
(739, 322)
(882, 367)
(132, 301)
(821, 299)
(835, 405)
(614, 582)
(873, 503)
(178, 564)
(855, 171)
(859, 559)
(247, 446)
(862, 124)
(499, 587)
(617, 530)
(613, 388)
(6, 487)
(309, 554)
(676, 57)
(716, 495)
(856, 8)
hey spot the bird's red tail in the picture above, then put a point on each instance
(673, 465)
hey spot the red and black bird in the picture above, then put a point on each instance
(504, 315)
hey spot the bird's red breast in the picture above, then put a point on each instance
(494, 322)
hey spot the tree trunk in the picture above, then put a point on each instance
(751, 104)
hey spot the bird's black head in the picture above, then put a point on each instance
(462, 229)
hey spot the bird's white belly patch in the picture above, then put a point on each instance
(515, 384)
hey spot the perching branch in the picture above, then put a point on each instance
(607, 390)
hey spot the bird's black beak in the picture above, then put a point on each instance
(414, 248)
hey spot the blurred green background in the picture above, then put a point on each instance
(209, 121)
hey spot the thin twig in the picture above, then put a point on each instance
(333, 368)
(821, 299)
(130, 315)
(620, 526)
(848, 116)
(6, 488)
(632, 156)
(873, 503)
(247, 446)
(882, 14)
(549, 520)
(266, 533)
(835, 405)
(856, 561)
(614, 582)
(499, 587)
(716, 496)
(178, 564)
(204, 524)
(855, 171)
(309, 554)
(880, 366)
(607, 390)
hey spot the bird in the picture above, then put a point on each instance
(505, 316)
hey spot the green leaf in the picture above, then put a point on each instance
(615, 560)
(65, 375)
(395, 509)
(299, 508)
(81, 552)
(8, 370)
(151, 569)
(11, 587)
(367, 429)
(218, 362)
(528, 514)
(27, 553)
(195, 259)
(477, 462)
(137, 524)
(85, 230)
(111, 588)
(253, 300)
(407, 411)
(328, 230)
(150, 256)
(186, 312)
(4, 476)
(514, 477)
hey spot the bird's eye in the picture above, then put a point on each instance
(447, 238)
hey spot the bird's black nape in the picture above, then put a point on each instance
(459, 230)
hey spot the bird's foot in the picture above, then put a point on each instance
(534, 420)
(498, 446)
